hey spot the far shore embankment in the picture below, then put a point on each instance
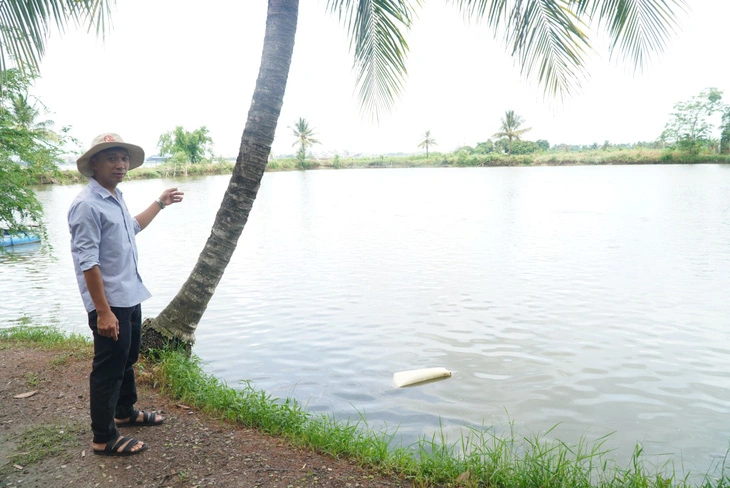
(458, 159)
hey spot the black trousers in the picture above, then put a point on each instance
(112, 386)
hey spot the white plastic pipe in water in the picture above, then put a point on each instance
(414, 376)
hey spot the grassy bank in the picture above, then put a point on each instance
(434, 160)
(479, 458)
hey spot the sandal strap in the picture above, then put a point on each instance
(114, 444)
(132, 442)
(148, 418)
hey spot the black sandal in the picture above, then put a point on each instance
(112, 447)
(148, 420)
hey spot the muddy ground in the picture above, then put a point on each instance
(189, 450)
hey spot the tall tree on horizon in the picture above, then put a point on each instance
(725, 132)
(545, 37)
(510, 128)
(304, 135)
(427, 141)
(193, 144)
(690, 126)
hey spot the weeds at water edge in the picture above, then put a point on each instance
(479, 458)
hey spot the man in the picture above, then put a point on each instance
(105, 259)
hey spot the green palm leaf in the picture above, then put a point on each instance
(637, 28)
(548, 38)
(545, 36)
(375, 29)
(26, 24)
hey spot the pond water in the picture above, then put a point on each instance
(593, 299)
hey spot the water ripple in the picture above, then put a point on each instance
(591, 299)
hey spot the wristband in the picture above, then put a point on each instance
(159, 202)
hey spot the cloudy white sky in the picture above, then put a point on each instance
(173, 62)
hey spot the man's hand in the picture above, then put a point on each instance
(168, 197)
(171, 195)
(107, 324)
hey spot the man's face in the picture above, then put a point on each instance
(110, 166)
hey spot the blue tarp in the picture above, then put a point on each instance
(9, 239)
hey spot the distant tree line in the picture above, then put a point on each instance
(691, 128)
(31, 149)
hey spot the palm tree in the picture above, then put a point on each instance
(25, 25)
(25, 114)
(544, 35)
(428, 141)
(510, 129)
(304, 138)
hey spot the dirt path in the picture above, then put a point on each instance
(189, 450)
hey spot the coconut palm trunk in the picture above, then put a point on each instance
(180, 318)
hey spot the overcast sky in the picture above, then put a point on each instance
(173, 62)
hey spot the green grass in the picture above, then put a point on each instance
(479, 458)
(43, 338)
(67, 347)
(32, 379)
(44, 441)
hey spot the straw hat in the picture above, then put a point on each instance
(106, 141)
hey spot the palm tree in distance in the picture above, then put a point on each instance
(545, 37)
(427, 141)
(304, 139)
(510, 129)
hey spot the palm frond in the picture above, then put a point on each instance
(26, 24)
(493, 11)
(638, 28)
(380, 49)
(549, 43)
(545, 36)
(548, 40)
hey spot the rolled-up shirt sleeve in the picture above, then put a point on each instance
(85, 226)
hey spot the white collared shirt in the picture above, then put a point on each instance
(102, 234)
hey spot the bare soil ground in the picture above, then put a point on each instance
(189, 450)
